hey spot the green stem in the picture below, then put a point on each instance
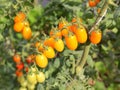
(87, 47)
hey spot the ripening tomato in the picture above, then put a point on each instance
(97, 1)
(54, 33)
(95, 36)
(73, 28)
(17, 58)
(59, 45)
(64, 32)
(40, 76)
(20, 17)
(27, 33)
(41, 60)
(29, 60)
(49, 52)
(22, 88)
(71, 42)
(39, 46)
(18, 27)
(24, 84)
(62, 23)
(31, 78)
(20, 66)
(31, 86)
(92, 3)
(18, 73)
(81, 34)
(75, 19)
(49, 42)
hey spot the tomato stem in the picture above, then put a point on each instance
(85, 53)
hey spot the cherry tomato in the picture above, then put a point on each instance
(97, 1)
(39, 46)
(54, 33)
(41, 60)
(24, 83)
(20, 66)
(59, 45)
(18, 27)
(22, 88)
(31, 86)
(92, 3)
(81, 34)
(95, 36)
(18, 73)
(49, 52)
(71, 42)
(27, 33)
(17, 58)
(31, 78)
(20, 17)
(62, 23)
(40, 77)
(64, 32)
(29, 60)
(49, 42)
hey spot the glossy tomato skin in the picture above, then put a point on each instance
(40, 76)
(92, 3)
(27, 33)
(59, 45)
(19, 17)
(49, 52)
(81, 34)
(41, 60)
(95, 36)
(18, 27)
(71, 42)
(17, 58)
(62, 24)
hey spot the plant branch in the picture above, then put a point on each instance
(87, 47)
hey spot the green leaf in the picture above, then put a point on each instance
(57, 63)
(90, 61)
(100, 67)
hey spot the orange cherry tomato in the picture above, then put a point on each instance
(18, 27)
(59, 45)
(18, 73)
(73, 28)
(95, 36)
(64, 32)
(92, 3)
(97, 1)
(27, 33)
(20, 17)
(39, 46)
(17, 58)
(41, 60)
(71, 42)
(62, 23)
(49, 42)
(49, 52)
(81, 34)
(75, 19)
(55, 33)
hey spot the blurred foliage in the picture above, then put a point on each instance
(103, 63)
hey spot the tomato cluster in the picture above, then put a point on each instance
(21, 25)
(93, 3)
(69, 34)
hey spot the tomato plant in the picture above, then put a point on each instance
(59, 44)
